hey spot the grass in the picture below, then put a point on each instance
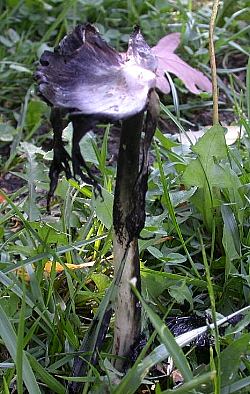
(197, 210)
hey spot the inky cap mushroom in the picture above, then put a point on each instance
(85, 75)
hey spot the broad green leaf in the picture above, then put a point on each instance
(10, 304)
(7, 132)
(166, 142)
(175, 258)
(207, 173)
(203, 202)
(230, 181)
(211, 146)
(32, 176)
(102, 155)
(231, 237)
(87, 149)
(155, 252)
(194, 174)
(104, 208)
(102, 281)
(155, 282)
(71, 334)
(49, 233)
(86, 295)
(36, 109)
(14, 36)
(181, 196)
(230, 359)
(6, 42)
(86, 144)
(180, 292)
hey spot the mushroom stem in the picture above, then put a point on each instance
(125, 220)
(129, 219)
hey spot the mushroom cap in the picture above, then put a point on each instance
(85, 75)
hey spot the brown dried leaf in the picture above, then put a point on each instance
(194, 80)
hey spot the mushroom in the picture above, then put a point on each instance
(90, 81)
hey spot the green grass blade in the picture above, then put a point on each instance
(46, 377)
(237, 386)
(7, 282)
(5, 387)
(134, 377)
(60, 250)
(173, 118)
(248, 89)
(20, 345)
(174, 94)
(59, 19)
(10, 340)
(189, 386)
(168, 340)
(176, 121)
(231, 237)
(217, 379)
(171, 209)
